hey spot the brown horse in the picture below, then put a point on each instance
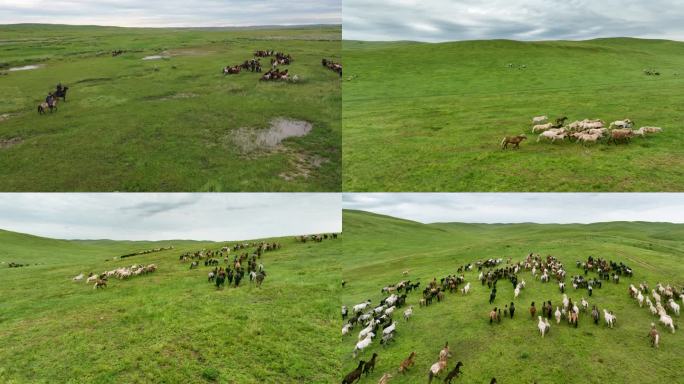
(232, 70)
(514, 140)
(407, 363)
(100, 283)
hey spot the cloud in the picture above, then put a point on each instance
(522, 207)
(167, 216)
(150, 208)
(450, 20)
(171, 13)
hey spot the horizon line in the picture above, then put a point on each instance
(507, 39)
(164, 240)
(175, 27)
(506, 223)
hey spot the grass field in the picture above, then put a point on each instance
(430, 117)
(164, 125)
(171, 326)
(377, 249)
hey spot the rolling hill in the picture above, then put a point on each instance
(378, 249)
(169, 326)
(430, 117)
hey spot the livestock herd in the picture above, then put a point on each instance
(277, 59)
(233, 270)
(121, 273)
(582, 131)
(245, 261)
(377, 321)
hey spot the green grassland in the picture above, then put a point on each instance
(377, 249)
(171, 326)
(165, 125)
(430, 117)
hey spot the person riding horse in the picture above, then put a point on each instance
(50, 100)
(61, 91)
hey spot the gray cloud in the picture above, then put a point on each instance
(166, 216)
(522, 207)
(450, 20)
(171, 13)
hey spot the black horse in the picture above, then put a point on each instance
(61, 92)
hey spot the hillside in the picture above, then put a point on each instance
(161, 116)
(430, 117)
(512, 351)
(168, 326)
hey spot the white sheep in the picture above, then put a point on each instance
(389, 329)
(539, 119)
(543, 326)
(360, 307)
(674, 306)
(626, 123)
(78, 277)
(390, 310)
(610, 318)
(542, 127)
(650, 129)
(408, 313)
(551, 135)
(363, 344)
(667, 322)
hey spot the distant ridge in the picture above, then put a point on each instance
(249, 27)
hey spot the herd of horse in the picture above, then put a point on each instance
(253, 65)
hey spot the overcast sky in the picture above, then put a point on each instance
(450, 20)
(171, 13)
(166, 216)
(522, 207)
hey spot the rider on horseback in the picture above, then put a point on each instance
(50, 100)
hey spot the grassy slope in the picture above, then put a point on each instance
(430, 117)
(377, 249)
(129, 127)
(170, 326)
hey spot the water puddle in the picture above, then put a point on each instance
(156, 57)
(248, 139)
(25, 68)
(4, 144)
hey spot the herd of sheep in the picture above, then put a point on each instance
(588, 131)
(100, 280)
